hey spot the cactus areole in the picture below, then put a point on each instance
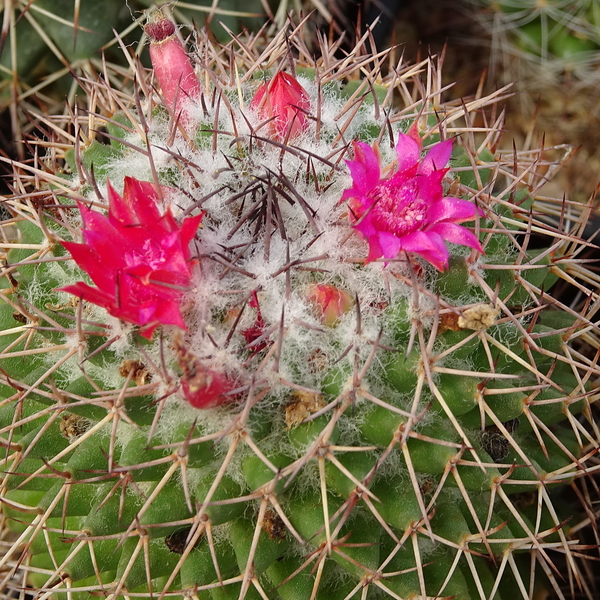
(354, 381)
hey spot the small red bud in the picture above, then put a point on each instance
(331, 302)
(252, 334)
(202, 387)
(285, 101)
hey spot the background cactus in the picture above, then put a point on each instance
(552, 51)
(556, 36)
(430, 436)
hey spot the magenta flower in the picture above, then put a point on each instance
(408, 211)
(285, 101)
(138, 259)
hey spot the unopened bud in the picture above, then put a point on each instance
(172, 66)
(202, 387)
(285, 101)
(331, 302)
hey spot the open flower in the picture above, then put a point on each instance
(138, 258)
(407, 211)
(285, 101)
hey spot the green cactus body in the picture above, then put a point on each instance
(419, 443)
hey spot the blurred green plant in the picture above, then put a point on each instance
(550, 38)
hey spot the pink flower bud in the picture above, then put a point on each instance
(331, 302)
(202, 387)
(254, 333)
(284, 101)
(172, 66)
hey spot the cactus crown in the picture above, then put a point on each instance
(302, 422)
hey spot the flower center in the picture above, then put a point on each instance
(150, 254)
(397, 208)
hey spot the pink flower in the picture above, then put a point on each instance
(331, 302)
(408, 211)
(138, 258)
(172, 66)
(285, 101)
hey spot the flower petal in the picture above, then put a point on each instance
(451, 209)
(142, 197)
(119, 211)
(365, 171)
(90, 294)
(437, 158)
(375, 250)
(409, 152)
(188, 230)
(430, 246)
(167, 313)
(457, 235)
(88, 260)
(370, 158)
(390, 244)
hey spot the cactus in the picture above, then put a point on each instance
(551, 50)
(43, 43)
(243, 357)
(550, 38)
